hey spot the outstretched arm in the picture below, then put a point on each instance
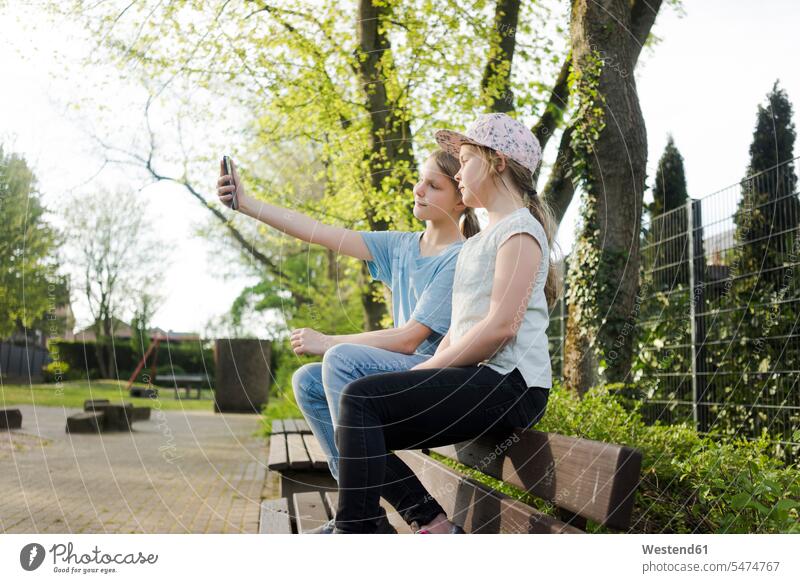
(291, 222)
(405, 339)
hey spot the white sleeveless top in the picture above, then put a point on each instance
(472, 292)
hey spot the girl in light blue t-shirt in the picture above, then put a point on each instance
(418, 267)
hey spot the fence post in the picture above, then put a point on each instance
(563, 331)
(697, 265)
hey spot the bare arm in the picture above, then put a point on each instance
(444, 343)
(291, 222)
(512, 285)
(405, 339)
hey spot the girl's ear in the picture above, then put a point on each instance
(501, 163)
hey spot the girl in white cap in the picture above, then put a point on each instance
(491, 373)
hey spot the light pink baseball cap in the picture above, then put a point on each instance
(499, 132)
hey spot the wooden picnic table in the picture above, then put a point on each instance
(187, 382)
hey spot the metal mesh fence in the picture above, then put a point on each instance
(717, 338)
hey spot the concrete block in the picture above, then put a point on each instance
(86, 422)
(10, 418)
(118, 417)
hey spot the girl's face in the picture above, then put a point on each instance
(435, 195)
(472, 178)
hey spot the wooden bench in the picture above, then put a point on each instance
(583, 479)
(296, 455)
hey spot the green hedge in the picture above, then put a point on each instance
(690, 483)
(81, 359)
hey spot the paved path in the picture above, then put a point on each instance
(179, 472)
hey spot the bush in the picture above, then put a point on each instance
(191, 357)
(57, 372)
(690, 483)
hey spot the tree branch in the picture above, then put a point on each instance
(559, 189)
(643, 16)
(147, 164)
(554, 110)
(495, 76)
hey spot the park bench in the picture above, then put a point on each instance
(307, 489)
(583, 480)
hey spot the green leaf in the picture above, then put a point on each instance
(740, 500)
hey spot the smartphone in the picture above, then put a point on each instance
(226, 160)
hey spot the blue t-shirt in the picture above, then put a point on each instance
(422, 287)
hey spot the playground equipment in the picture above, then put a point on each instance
(187, 382)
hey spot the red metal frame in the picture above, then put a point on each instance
(153, 368)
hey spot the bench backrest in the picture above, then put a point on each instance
(583, 478)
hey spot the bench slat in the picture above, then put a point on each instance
(593, 479)
(275, 518)
(278, 455)
(319, 461)
(475, 507)
(302, 426)
(277, 426)
(310, 511)
(298, 456)
(289, 426)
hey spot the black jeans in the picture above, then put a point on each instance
(412, 410)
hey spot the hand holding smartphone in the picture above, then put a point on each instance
(228, 166)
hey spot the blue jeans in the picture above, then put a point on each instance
(318, 386)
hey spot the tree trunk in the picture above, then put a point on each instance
(609, 143)
(558, 190)
(496, 82)
(390, 157)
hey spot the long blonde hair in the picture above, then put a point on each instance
(449, 165)
(522, 178)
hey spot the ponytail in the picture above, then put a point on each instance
(542, 212)
(469, 223)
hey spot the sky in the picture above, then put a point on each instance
(702, 83)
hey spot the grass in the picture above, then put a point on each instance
(71, 395)
(281, 406)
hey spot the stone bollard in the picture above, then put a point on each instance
(86, 422)
(10, 419)
(95, 404)
(141, 414)
(118, 417)
(243, 375)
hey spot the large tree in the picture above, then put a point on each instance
(668, 228)
(769, 212)
(366, 83)
(29, 284)
(609, 157)
(357, 84)
(116, 260)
